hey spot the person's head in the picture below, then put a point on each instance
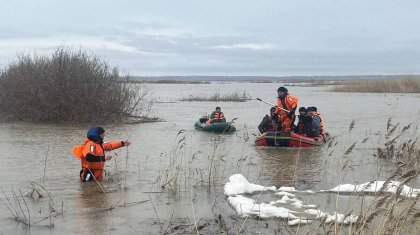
(96, 134)
(311, 110)
(302, 111)
(218, 109)
(282, 91)
(272, 110)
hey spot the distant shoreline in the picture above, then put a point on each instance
(260, 79)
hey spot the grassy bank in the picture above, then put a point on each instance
(405, 85)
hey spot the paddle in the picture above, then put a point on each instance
(273, 105)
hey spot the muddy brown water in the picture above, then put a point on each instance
(159, 149)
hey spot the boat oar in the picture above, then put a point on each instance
(273, 105)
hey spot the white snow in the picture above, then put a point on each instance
(287, 189)
(340, 218)
(238, 185)
(318, 213)
(285, 194)
(247, 206)
(298, 221)
(375, 186)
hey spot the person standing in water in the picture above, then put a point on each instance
(93, 154)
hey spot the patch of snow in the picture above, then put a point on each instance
(237, 184)
(341, 219)
(375, 186)
(318, 213)
(285, 194)
(287, 189)
(298, 221)
(247, 206)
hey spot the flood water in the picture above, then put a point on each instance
(135, 201)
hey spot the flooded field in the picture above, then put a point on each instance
(171, 179)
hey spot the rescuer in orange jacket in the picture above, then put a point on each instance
(217, 116)
(93, 160)
(286, 106)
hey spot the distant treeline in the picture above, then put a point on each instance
(263, 79)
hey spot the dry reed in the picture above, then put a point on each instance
(410, 84)
(232, 97)
(389, 213)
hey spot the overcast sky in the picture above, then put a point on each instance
(222, 37)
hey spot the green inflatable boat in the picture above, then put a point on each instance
(218, 127)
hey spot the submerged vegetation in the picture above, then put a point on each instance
(410, 84)
(232, 97)
(69, 86)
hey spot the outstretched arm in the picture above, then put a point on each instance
(108, 146)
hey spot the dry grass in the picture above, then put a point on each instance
(410, 84)
(18, 207)
(232, 97)
(390, 213)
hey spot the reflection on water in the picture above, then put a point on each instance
(29, 150)
(91, 209)
(291, 166)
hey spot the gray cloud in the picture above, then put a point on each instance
(228, 38)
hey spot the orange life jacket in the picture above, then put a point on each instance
(93, 158)
(290, 103)
(218, 115)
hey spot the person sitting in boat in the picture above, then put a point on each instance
(304, 121)
(217, 116)
(270, 122)
(317, 126)
(286, 106)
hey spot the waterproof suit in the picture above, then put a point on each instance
(269, 123)
(93, 160)
(287, 102)
(317, 127)
(304, 123)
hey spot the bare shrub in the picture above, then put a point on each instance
(69, 86)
